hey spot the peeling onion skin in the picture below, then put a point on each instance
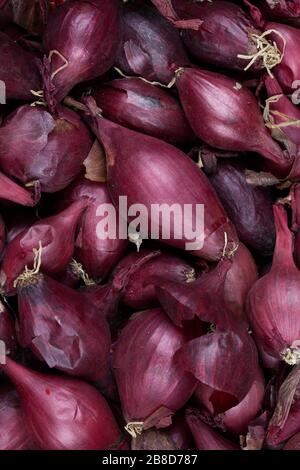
(63, 413)
(36, 146)
(150, 171)
(154, 382)
(230, 116)
(151, 46)
(145, 108)
(273, 301)
(87, 34)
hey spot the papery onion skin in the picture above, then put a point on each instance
(18, 70)
(225, 33)
(151, 47)
(56, 235)
(295, 199)
(147, 376)
(287, 40)
(62, 328)
(14, 434)
(8, 331)
(206, 438)
(63, 413)
(230, 116)
(249, 207)
(135, 161)
(140, 292)
(273, 301)
(87, 34)
(140, 106)
(286, 11)
(293, 443)
(36, 146)
(10, 191)
(98, 256)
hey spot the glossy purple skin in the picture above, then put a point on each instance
(205, 437)
(14, 434)
(151, 46)
(226, 115)
(18, 70)
(88, 34)
(147, 376)
(140, 292)
(97, 256)
(57, 237)
(223, 35)
(63, 413)
(150, 171)
(249, 207)
(135, 104)
(35, 146)
(63, 329)
(273, 302)
(8, 330)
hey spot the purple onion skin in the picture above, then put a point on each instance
(88, 35)
(285, 11)
(63, 413)
(2, 234)
(147, 376)
(63, 329)
(97, 256)
(10, 191)
(224, 34)
(273, 302)
(140, 293)
(249, 207)
(151, 46)
(6, 15)
(8, 331)
(57, 237)
(206, 438)
(135, 104)
(14, 434)
(293, 443)
(18, 220)
(18, 70)
(35, 146)
(150, 171)
(288, 71)
(230, 116)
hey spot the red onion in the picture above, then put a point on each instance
(295, 202)
(227, 31)
(97, 256)
(6, 13)
(283, 10)
(230, 116)
(18, 220)
(10, 191)
(205, 437)
(62, 328)
(151, 386)
(293, 443)
(63, 413)
(18, 70)
(82, 39)
(55, 236)
(32, 16)
(235, 420)
(140, 106)
(36, 146)
(135, 161)
(13, 431)
(248, 206)
(274, 302)
(8, 331)
(140, 292)
(285, 420)
(287, 39)
(236, 351)
(151, 46)
(153, 439)
(166, 9)
(180, 433)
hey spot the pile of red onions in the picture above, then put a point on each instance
(149, 225)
